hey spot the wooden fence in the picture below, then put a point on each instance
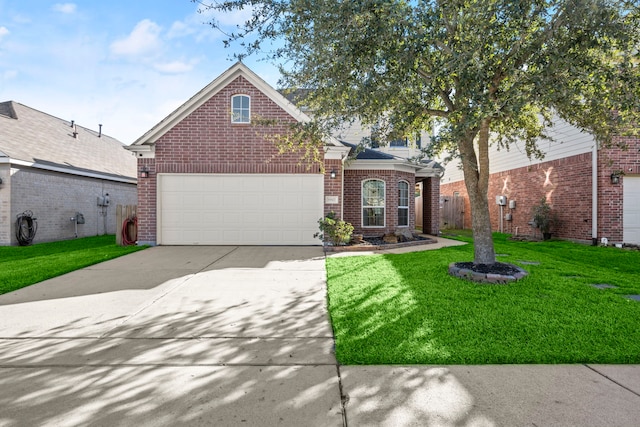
(126, 225)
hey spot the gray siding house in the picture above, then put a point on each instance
(57, 169)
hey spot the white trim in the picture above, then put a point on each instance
(142, 151)
(76, 172)
(241, 109)
(336, 152)
(381, 165)
(407, 206)
(384, 206)
(594, 193)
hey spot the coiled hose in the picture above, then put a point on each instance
(127, 239)
(26, 227)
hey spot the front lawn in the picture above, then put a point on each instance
(22, 266)
(406, 309)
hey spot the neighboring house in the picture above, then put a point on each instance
(56, 169)
(594, 192)
(215, 177)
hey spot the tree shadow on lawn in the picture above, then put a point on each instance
(415, 313)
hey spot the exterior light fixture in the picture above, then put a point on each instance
(144, 172)
(615, 178)
(333, 174)
(0, 180)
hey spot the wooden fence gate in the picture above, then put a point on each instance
(452, 212)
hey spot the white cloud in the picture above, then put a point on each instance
(67, 8)
(3, 32)
(174, 67)
(144, 39)
(180, 29)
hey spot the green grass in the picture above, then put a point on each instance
(22, 266)
(406, 309)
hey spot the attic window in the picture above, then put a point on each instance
(240, 109)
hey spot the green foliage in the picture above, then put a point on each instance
(337, 232)
(406, 309)
(543, 216)
(22, 266)
(473, 69)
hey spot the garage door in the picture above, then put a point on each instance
(199, 209)
(631, 206)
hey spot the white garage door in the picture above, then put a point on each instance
(631, 206)
(200, 209)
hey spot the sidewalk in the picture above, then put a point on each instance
(240, 336)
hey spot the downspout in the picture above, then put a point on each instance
(594, 195)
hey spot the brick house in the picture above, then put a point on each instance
(210, 174)
(56, 169)
(594, 192)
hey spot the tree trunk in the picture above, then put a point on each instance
(476, 178)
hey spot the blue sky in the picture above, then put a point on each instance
(124, 64)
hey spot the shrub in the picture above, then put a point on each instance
(334, 231)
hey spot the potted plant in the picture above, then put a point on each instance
(543, 218)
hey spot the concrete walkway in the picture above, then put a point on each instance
(240, 336)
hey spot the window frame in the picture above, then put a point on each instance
(403, 207)
(365, 207)
(240, 110)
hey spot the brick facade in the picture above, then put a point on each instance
(207, 142)
(333, 187)
(353, 180)
(204, 141)
(567, 185)
(431, 206)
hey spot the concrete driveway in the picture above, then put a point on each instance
(173, 336)
(240, 336)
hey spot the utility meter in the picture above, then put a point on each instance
(501, 200)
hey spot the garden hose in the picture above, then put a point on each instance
(26, 226)
(126, 238)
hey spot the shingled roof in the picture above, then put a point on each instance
(41, 140)
(362, 153)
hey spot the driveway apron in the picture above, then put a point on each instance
(174, 336)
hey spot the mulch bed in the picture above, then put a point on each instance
(377, 244)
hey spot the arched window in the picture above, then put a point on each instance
(403, 204)
(373, 203)
(240, 109)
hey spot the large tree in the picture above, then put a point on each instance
(481, 71)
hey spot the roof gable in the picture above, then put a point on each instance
(196, 101)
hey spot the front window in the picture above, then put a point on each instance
(403, 204)
(373, 203)
(240, 109)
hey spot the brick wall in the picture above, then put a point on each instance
(56, 197)
(353, 205)
(610, 208)
(567, 185)
(431, 206)
(207, 142)
(333, 186)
